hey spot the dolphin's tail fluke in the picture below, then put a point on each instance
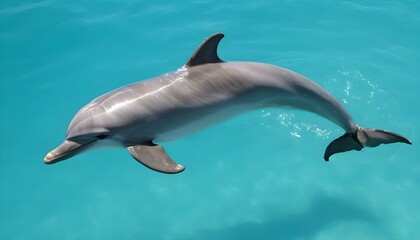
(362, 137)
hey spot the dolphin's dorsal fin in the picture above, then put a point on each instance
(155, 157)
(206, 52)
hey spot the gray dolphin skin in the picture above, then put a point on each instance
(204, 92)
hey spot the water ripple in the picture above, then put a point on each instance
(26, 7)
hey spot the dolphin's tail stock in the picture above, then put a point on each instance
(362, 137)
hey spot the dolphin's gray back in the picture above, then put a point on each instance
(192, 98)
(172, 105)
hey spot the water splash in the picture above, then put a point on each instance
(357, 87)
(295, 126)
(357, 91)
(297, 129)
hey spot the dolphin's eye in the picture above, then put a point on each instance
(101, 136)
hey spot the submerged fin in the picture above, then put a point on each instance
(155, 157)
(363, 137)
(344, 143)
(206, 52)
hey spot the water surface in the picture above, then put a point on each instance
(258, 176)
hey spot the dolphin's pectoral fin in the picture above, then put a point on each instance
(362, 137)
(155, 157)
(206, 52)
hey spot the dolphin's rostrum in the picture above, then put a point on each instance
(205, 91)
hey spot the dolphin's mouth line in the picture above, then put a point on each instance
(53, 159)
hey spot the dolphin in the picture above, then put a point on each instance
(204, 92)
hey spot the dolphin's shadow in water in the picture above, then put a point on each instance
(324, 212)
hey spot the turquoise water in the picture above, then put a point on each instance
(258, 176)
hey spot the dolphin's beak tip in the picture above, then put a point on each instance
(49, 158)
